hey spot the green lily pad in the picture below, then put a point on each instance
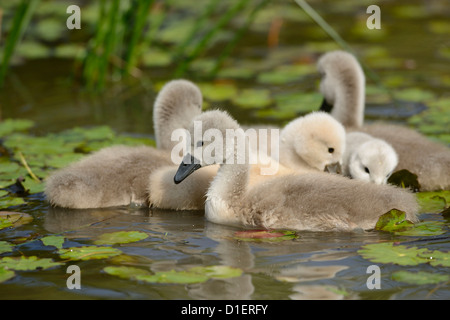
(56, 241)
(121, 237)
(286, 74)
(156, 58)
(424, 229)
(437, 258)
(298, 102)
(50, 29)
(265, 235)
(433, 201)
(126, 272)
(13, 219)
(394, 220)
(9, 126)
(389, 253)
(27, 263)
(218, 91)
(419, 278)
(414, 94)
(6, 274)
(253, 98)
(5, 246)
(88, 253)
(179, 277)
(32, 50)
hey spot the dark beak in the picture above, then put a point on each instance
(186, 168)
(333, 168)
(326, 106)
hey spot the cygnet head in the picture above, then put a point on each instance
(373, 161)
(343, 87)
(175, 106)
(215, 137)
(317, 140)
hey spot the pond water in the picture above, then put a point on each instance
(410, 56)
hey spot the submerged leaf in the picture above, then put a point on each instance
(121, 237)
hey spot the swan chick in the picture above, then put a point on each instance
(368, 159)
(312, 142)
(314, 201)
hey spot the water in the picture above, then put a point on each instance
(313, 266)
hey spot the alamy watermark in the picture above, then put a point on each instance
(373, 281)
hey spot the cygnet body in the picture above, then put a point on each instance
(121, 175)
(311, 201)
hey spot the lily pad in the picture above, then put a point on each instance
(433, 201)
(389, 253)
(6, 274)
(414, 94)
(265, 235)
(56, 241)
(8, 126)
(126, 272)
(253, 98)
(5, 247)
(405, 179)
(88, 253)
(424, 229)
(286, 74)
(437, 258)
(218, 91)
(179, 277)
(27, 263)
(394, 220)
(14, 219)
(419, 278)
(121, 237)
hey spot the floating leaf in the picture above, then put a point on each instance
(218, 92)
(121, 237)
(14, 219)
(389, 253)
(5, 246)
(414, 94)
(265, 235)
(437, 258)
(88, 253)
(433, 201)
(424, 229)
(27, 263)
(9, 126)
(419, 278)
(56, 241)
(286, 74)
(126, 272)
(218, 272)
(6, 274)
(253, 98)
(180, 277)
(394, 220)
(405, 179)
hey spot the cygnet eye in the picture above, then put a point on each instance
(366, 170)
(330, 150)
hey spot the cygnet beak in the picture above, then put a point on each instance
(186, 168)
(326, 106)
(333, 168)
